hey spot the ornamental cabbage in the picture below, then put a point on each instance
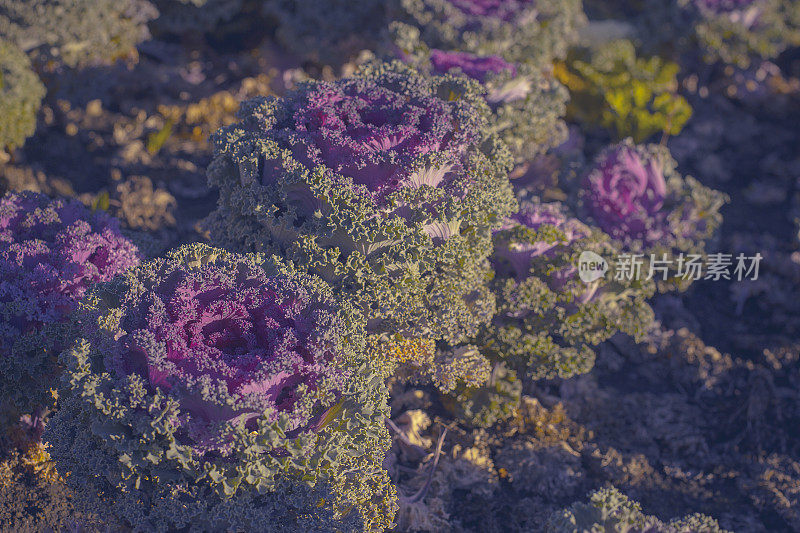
(385, 184)
(613, 88)
(225, 392)
(625, 194)
(548, 319)
(633, 193)
(527, 103)
(474, 66)
(736, 32)
(51, 251)
(520, 31)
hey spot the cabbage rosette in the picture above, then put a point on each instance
(229, 382)
(385, 184)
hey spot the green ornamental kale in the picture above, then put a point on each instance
(76, 32)
(386, 184)
(612, 88)
(520, 31)
(610, 511)
(735, 32)
(21, 94)
(223, 392)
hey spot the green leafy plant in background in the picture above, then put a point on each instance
(733, 32)
(609, 510)
(612, 88)
(76, 32)
(21, 94)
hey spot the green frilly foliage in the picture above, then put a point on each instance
(763, 30)
(610, 511)
(115, 439)
(549, 321)
(335, 31)
(76, 32)
(527, 105)
(612, 88)
(414, 264)
(484, 406)
(21, 94)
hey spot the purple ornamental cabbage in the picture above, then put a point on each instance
(534, 216)
(386, 184)
(51, 251)
(555, 232)
(260, 341)
(489, 70)
(625, 194)
(383, 139)
(634, 193)
(226, 391)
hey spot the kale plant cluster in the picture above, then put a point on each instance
(322, 266)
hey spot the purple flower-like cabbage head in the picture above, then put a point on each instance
(51, 251)
(548, 317)
(381, 137)
(625, 193)
(228, 379)
(635, 194)
(230, 341)
(474, 66)
(386, 184)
